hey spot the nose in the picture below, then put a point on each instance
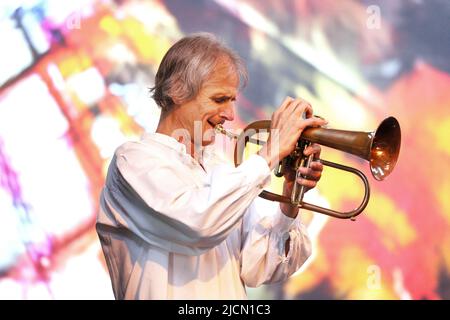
(228, 112)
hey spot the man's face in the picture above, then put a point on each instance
(214, 104)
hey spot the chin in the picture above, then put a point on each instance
(208, 142)
(209, 136)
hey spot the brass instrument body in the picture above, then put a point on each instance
(380, 147)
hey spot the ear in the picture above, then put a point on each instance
(175, 89)
(176, 100)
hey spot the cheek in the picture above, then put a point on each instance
(206, 107)
(207, 112)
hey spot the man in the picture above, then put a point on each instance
(176, 222)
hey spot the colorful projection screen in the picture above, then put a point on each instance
(74, 79)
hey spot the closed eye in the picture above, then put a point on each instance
(223, 99)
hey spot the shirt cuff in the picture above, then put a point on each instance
(282, 223)
(257, 170)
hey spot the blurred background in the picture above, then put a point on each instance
(74, 79)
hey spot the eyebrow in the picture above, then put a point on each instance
(223, 96)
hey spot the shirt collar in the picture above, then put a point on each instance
(207, 152)
(165, 140)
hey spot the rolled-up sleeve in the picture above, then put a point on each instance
(265, 231)
(157, 200)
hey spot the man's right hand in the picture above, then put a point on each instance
(287, 124)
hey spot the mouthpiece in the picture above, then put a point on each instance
(220, 129)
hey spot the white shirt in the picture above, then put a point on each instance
(170, 229)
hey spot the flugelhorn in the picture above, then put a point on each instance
(380, 148)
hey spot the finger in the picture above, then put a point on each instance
(287, 101)
(292, 113)
(313, 122)
(308, 110)
(296, 107)
(314, 148)
(316, 166)
(310, 174)
(303, 109)
(307, 183)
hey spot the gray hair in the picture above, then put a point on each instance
(187, 64)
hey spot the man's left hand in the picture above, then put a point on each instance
(312, 176)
